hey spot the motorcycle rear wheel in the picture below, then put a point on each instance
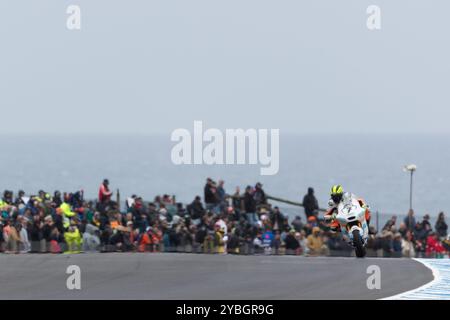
(360, 251)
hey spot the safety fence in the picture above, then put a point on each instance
(54, 247)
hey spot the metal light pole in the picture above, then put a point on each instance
(411, 168)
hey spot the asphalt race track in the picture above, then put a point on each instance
(199, 276)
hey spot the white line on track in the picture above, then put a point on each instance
(437, 289)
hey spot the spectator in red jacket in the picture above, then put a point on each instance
(104, 194)
(434, 246)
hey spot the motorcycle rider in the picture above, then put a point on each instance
(337, 194)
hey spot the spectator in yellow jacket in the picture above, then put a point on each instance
(315, 243)
(67, 213)
(73, 240)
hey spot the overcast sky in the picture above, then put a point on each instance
(150, 66)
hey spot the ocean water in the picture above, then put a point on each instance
(368, 165)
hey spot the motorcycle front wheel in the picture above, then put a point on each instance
(360, 251)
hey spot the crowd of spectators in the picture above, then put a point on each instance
(235, 223)
(412, 238)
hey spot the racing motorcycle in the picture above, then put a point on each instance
(352, 218)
